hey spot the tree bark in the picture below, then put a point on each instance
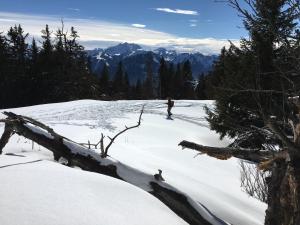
(5, 136)
(284, 194)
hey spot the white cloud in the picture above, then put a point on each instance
(193, 25)
(74, 9)
(95, 32)
(138, 25)
(193, 21)
(7, 20)
(178, 11)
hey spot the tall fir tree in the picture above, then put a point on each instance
(188, 89)
(163, 74)
(18, 51)
(178, 82)
(104, 80)
(148, 84)
(118, 79)
(126, 86)
(4, 71)
(201, 87)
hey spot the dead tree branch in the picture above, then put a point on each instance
(104, 150)
(283, 137)
(121, 132)
(253, 155)
(253, 181)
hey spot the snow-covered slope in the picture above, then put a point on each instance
(53, 193)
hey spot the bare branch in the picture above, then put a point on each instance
(285, 140)
(102, 144)
(121, 132)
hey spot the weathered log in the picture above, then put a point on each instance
(8, 132)
(253, 155)
(78, 155)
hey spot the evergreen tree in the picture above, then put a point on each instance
(148, 84)
(118, 79)
(178, 82)
(18, 50)
(46, 68)
(33, 83)
(138, 90)
(104, 80)
(201, 87)
(188, 89)
(163, 73)
(4, 71)
(170, 89)
(58, 71)
(126, 85)
(47, 46)
(34, 51)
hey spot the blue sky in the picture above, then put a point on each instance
(185, 25)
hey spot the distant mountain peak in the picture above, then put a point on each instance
(164, 51)
(123, 49)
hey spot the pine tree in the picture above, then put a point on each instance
(34, 51)
(188, 89)
(178, 82)
(58, 71)
(170, 89)
(4, 71)
(148, 84)
(104, 80)
(33, 75)
(126, 86)
(163, 73)
(201, 87)
(118, 79)
(47, 46)
(138, 90)
(18, 50)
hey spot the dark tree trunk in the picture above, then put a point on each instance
(284, 194)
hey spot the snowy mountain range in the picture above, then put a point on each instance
(134, 59)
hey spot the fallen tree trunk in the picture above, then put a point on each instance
(78, 155)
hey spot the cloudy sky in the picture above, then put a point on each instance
(184, 25)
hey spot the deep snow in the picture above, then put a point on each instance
(30, 190)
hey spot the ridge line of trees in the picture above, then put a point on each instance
(57, 69)
(169, 82)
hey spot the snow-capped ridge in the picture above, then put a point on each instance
(134, 58)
